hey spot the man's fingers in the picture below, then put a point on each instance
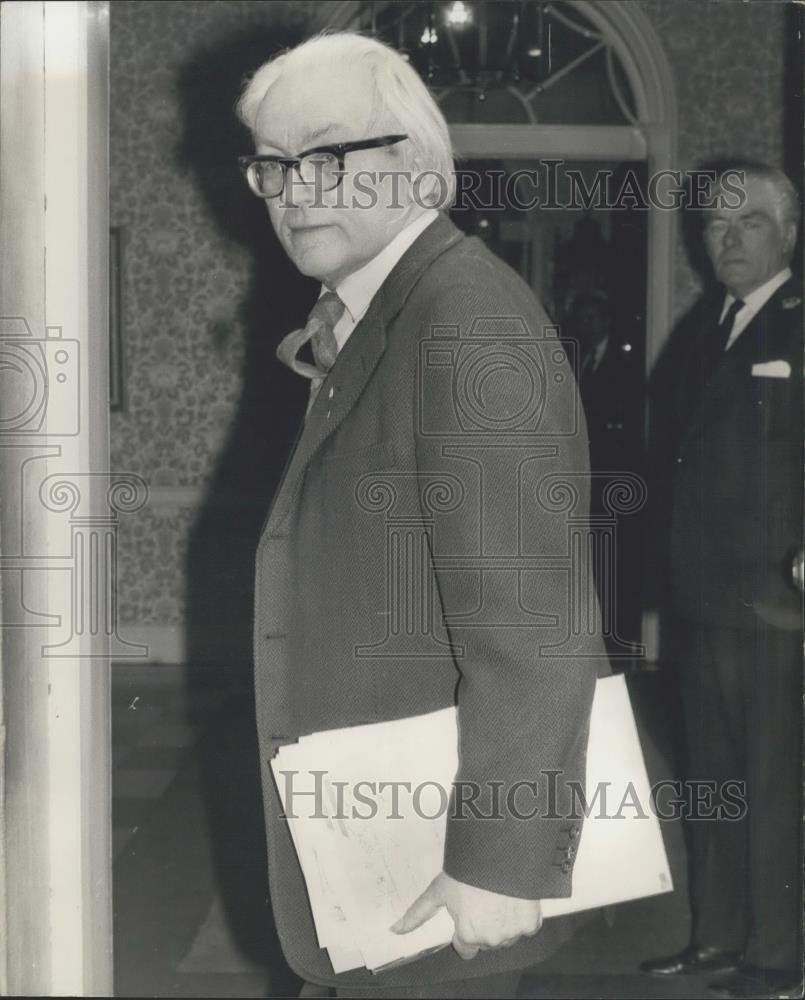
(419, 911)
(464, 950)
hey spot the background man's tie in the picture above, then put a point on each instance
(722, 333)
(320, 331)
(726, 324)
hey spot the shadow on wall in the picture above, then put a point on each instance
(220, 561)
(221, 557)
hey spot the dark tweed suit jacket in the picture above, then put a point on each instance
(737, 511)
(418, 555)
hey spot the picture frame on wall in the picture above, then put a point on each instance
(116, 382)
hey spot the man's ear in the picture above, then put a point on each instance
(426, 188)
(790, 240)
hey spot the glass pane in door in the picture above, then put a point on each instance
(577, 233)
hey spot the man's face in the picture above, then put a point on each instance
(748, 245)
(325, 233)
(591, 325)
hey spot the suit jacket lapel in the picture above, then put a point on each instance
(752, 340)
(755, 341)
(359, 358)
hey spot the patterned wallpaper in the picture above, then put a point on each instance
(208, 416)
(193, 302)
(727, 61)
(184, 277)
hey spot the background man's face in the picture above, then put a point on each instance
(749, 245)
(325, 233)
(590, 324)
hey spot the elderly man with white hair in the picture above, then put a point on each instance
(439, 400)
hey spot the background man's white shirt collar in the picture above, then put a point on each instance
(358, 289)
(753, 303)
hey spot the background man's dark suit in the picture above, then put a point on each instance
(610, 394)
(322, 577)
(611, 383)
(737, 516)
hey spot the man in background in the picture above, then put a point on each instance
(610, 382)
(607, 383)
(736, 531)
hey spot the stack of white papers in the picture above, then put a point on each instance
(367, 809)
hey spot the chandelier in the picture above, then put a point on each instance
(525, 46)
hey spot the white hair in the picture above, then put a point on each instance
(786, 199)
(399, 98)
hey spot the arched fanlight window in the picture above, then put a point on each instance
(581, 84)
(577, 80)
(509, 61)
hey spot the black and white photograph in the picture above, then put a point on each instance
(402, 458)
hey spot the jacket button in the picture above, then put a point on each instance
(570, 853)
(574, 833)
(566, 867)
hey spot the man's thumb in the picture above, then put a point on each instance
(420, 910)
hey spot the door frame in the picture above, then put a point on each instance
(651, 137)
(55, 498)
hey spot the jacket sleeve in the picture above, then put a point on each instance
(497, 412)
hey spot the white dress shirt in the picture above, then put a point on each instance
(753, 303)
(358, 289)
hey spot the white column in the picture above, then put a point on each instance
(54, 425)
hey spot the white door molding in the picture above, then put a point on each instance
(55, 496)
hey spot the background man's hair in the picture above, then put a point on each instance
(786, 197)
(400, 100)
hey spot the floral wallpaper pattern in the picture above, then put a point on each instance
(185, 277)
(727, 62)
(150, 578)
(183, 280)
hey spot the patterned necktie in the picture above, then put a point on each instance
(320, 331)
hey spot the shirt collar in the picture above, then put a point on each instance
(358, 289)
(600, 350)
(755, 301)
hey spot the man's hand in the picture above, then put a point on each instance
(483, 919)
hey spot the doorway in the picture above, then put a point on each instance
(585, 260)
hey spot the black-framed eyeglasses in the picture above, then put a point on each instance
(322, 166)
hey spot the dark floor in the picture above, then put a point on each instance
(191, 913)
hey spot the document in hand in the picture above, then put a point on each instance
(367, 809)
